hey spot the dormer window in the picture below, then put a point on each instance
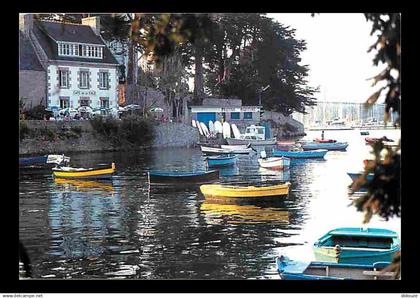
(80, 50)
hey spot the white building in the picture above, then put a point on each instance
(81, 70)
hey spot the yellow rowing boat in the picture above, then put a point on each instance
(213, 191)
(83, 173)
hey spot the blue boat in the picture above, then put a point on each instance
(301, 154)
(43, 160)
(299, 270)
(221, 160)
(357, 246)
(35, 160)
(181, 178)
(355, 176)
(327, 146)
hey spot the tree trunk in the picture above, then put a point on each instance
(199, 75)
(130, 64)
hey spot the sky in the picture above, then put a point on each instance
(336, 53)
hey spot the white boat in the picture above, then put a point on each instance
(238, 149)
(205, 129)
(235, 130)
(235, 146)
(275, 163)
(226, 130)
(212, 150)
(218, 127)
(255, 135)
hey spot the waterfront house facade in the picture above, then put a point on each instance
(32, 76)
(80, 69)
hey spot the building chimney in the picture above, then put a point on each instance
(26, 22)
(94, 23)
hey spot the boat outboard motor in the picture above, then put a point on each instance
(263, 154)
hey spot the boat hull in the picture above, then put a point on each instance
(274, 163)
(221, 161)
(36, 160)
(355, 176)
(105, 173)
(326, 146)
(181, 178)
(357, 246)
(238, 149)
(217, 191)
(297, 270)
(300, 154)
(353, 256)
(232, 141)
(213, 150)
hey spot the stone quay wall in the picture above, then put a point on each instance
(88, 140)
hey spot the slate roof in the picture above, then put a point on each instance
(27, 57)
(48, 33)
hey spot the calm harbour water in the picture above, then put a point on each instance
(121, 229)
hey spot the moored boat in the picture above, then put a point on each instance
(324, 140)
(371, 141)
(221, 160)
(320, 153)
(84, 173)
(43, 160)
(238, 149)
(357, 246)
(364, 133)
(214, 150)
(355, 176)
(254, 135)
(325, 145)
(219, 191)
(274, 163)
(181, 177)
(316, 270)
(253, 142)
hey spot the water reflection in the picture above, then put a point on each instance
(85, 185)
(216, 213)
(267, 174)
(124, 229)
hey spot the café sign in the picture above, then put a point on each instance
(84, 92)
(241, 109)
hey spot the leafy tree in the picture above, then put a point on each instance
(172, 81)
(262, 52)
(383, 194)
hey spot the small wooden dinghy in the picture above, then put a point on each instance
(357, 246)
(298, 270)
(239, 149)
(320, 153)
(44, 160)
(325, 145)
(214, 150)
(84, 173)
(181, 177)
(221, 160)
(355, 176)
(218, 191)
(274, 163)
